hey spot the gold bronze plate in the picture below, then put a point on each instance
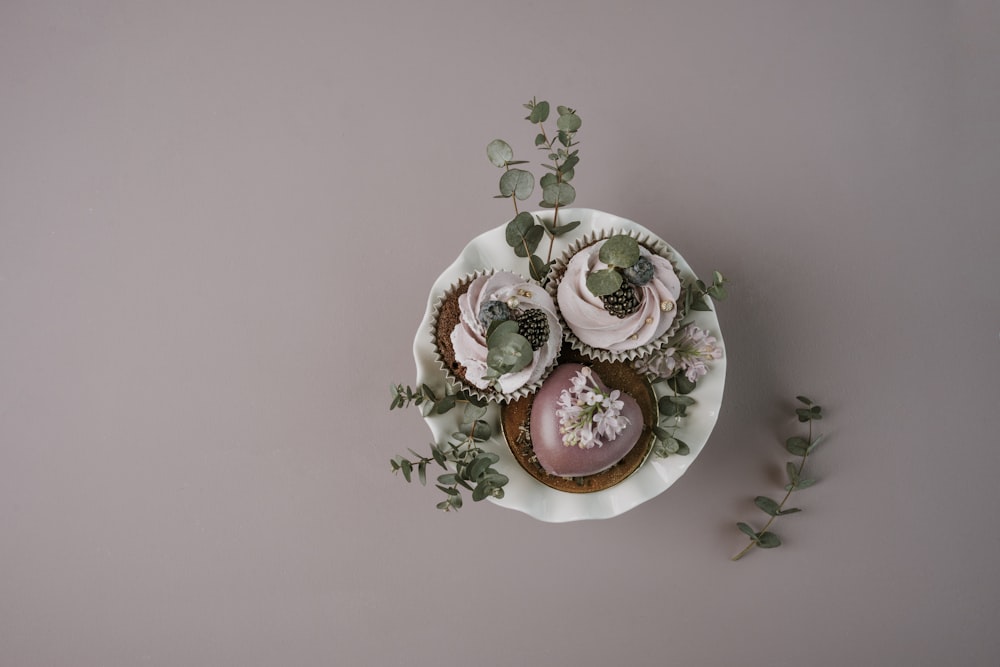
(615, 374)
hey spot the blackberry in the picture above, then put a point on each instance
(533, 325)
(639, 273)
(492, 311)
(622, 302)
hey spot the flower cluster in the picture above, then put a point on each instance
(687, 353)
(588, 416)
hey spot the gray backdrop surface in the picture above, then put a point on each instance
(218, 225)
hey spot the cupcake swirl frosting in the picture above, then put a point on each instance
(585, 315)
(469, 337)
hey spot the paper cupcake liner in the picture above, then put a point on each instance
(460, 383)
(650, 243)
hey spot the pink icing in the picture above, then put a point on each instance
(547, 439)
(469, 338)
(585, 315)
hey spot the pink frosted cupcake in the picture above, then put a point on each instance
(462, 323)
(619, 295)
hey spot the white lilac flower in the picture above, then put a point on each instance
(588, 416)
(688, 352)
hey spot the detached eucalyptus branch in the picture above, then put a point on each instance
(801, 447)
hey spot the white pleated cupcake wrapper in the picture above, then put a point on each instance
(457, 382)
(650, 243)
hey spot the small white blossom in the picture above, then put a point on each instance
(588, 417)
(688, 353)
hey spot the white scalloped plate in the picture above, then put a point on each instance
(524, 493)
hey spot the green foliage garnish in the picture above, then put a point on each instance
(524, 232)
(797, 446)
(695, 293)
(603, 282)
(620, 251)
(507, 351)
(473, 466)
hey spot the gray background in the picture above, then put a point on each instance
(218, 225)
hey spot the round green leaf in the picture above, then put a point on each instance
(620, 250)
(508, 352)
(540, 113)
(797, 446)
(569, 122)
(768, 541)
(605, 281)
(558, 194)
(517, 182)
(499, 152)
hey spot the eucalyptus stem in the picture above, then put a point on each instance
(798, 446)
(781, 505)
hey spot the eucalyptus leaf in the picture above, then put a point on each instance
(444, 405)
(540, 113)
(569, 122)
(531, 241)
(538, 268)
(604, 281)
(474, 412)
(567, 227)
(499, 152)
(766, 504)
(793, 472)
(518, 228)
(768, 541)
(797, 446)
(682, 448)
(508, 352)
(620, 250)
(480, 492)
(481, 432)
(790, 510)
(539, 139)
(517, 182)
(558, 194)
(661, 433)
(750, 532)
(681, 384)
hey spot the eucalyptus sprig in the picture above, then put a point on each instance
(673, 406)
(524, 233)
(801, 447)
(695, 292)
(507, 351)
(473, 466)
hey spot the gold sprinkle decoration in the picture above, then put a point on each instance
(512, 302)
(525, 293)
(649, 320)
(666, 306)
(634, 337)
